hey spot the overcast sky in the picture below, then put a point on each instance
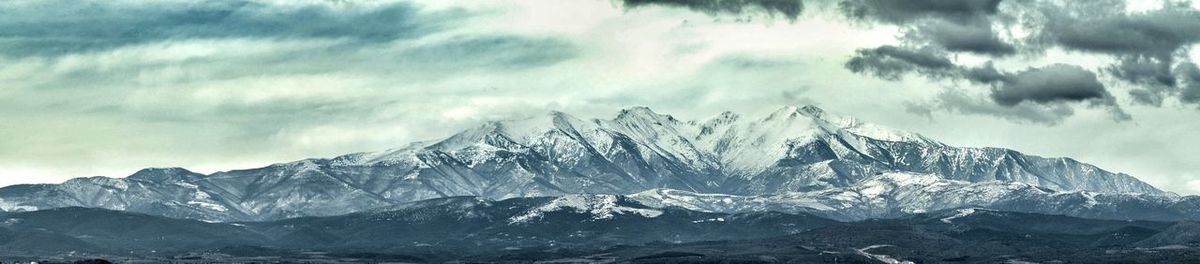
(109, 87)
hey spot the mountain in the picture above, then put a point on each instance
(792, 150)
(1182, 234)
(100, 232)
(898, 194)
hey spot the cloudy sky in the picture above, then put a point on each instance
(108, 87)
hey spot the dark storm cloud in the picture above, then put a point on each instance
(1153, 75)
(985, 74)
(1157, 33)
(1146, 44)
(956, 101)
(974, 37)
(1050, 88)
(1054, 83)
(1037, 95)
(889, 11)
(60, 26)
(1143, 70)
(1190, 74)
(901, 11)
(922, 110)
(892, 62)
(954, 25)
(790, 9)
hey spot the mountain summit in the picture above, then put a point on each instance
(792, 150)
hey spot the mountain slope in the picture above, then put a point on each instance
(794, 149)
(91, 231)
(893, 195)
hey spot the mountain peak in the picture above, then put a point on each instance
(636, 110)
(783, 113)
(793, 111)
(710, 125)
(642, 112)
(812, 111)
(727, 115)
(160, 174)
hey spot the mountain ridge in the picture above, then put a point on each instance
(793, 149)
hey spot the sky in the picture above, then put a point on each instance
(108, 87)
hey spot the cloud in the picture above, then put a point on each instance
(1053, 83)
(244, 82)
(1041, 95)
(1191, 82)
(1146, 44)
(901, 11)
(1105, 27)
(1153, 75)
(60, 26)
(957, 26)
(491, 52)
(974, 37)
(923, 110)
(790, 9)
(1025, 112)
(892, 62)
(935, 32)
(745, 62)
(1051, 86)
(985, 74)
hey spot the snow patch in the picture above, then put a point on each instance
(961, 213)
(718, 219)
(204, 200)
(881, 258)
(599, 206)
(15, 207)
(209, 206)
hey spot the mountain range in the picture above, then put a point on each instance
(795, 159)
(795, 185)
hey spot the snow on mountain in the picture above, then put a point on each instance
(831, 159)
(172, 192)
(598, 206)
(894, 195)
(961, 213)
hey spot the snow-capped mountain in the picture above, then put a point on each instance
(794, 150)
(893, 195)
